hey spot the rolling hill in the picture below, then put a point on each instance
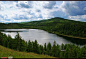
(60, 26)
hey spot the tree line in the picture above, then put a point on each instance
(54, 25)
(55, 50)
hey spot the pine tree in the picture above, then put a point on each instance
(49, 48)
(17, 41)
(9, 39)
(1, 38)
(41, 49)
(29, 46)
(23, 45)
(58, 51)
(83, 52)
(35, 47)
(54, 49)
(45, 48)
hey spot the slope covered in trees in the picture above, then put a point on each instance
(60, 26)
(56, 25)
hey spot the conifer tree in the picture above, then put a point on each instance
(41, 49)
(45, 48)
(35, 47)
(83, 52)
(54, 49)
(17, 41)
(58, 50)
(49, 48)
(29, 46)
(23, 45)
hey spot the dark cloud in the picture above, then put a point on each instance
(38, 10)
(75, 8)
(1, 16)
(1, 8)
(20, 17)
(50, 5)
(11, 7)
(30, 12)
(23, 5)
(59, 14)
(40, 16)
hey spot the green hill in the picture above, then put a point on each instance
(60, 26)
(5, 52)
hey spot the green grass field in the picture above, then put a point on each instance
(6, 52)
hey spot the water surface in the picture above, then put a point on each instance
(40, 35)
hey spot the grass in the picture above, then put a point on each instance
(6, 52)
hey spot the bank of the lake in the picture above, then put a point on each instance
(56, 50)
(57, 25)
(63, 35)
(43, 36)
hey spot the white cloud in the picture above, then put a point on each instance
(74, 8)
(49, 5)
(78, 17)
(19, 11)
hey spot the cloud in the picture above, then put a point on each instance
(78, 17)
(38, 10)
(1, 8)
(20, 11)
(49, 5)
(20, 17)
(74, 8)
(59, 13)
(24, 4)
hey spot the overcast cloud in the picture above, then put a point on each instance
(23, 11)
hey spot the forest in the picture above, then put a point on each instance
(55, 50)
(60, 26)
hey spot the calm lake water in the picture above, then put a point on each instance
(40, 35)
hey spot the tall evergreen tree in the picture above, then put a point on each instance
(45, 48)
(9, 43)
(23, 45)
(1, 38)
(54, 49)
(83, 52)
(41, 49)
(17, 41)
(35, 47)
(58, 50)
(29, 46)
(49, 48)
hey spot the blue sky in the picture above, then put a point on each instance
(24, 11)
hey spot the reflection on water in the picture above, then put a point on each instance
(40, 35)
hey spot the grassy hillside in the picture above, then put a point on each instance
(5, 52)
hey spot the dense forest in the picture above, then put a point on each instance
(59, 51)
(56, 25)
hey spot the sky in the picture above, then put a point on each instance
(25, 11)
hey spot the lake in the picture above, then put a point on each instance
(41, 36)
